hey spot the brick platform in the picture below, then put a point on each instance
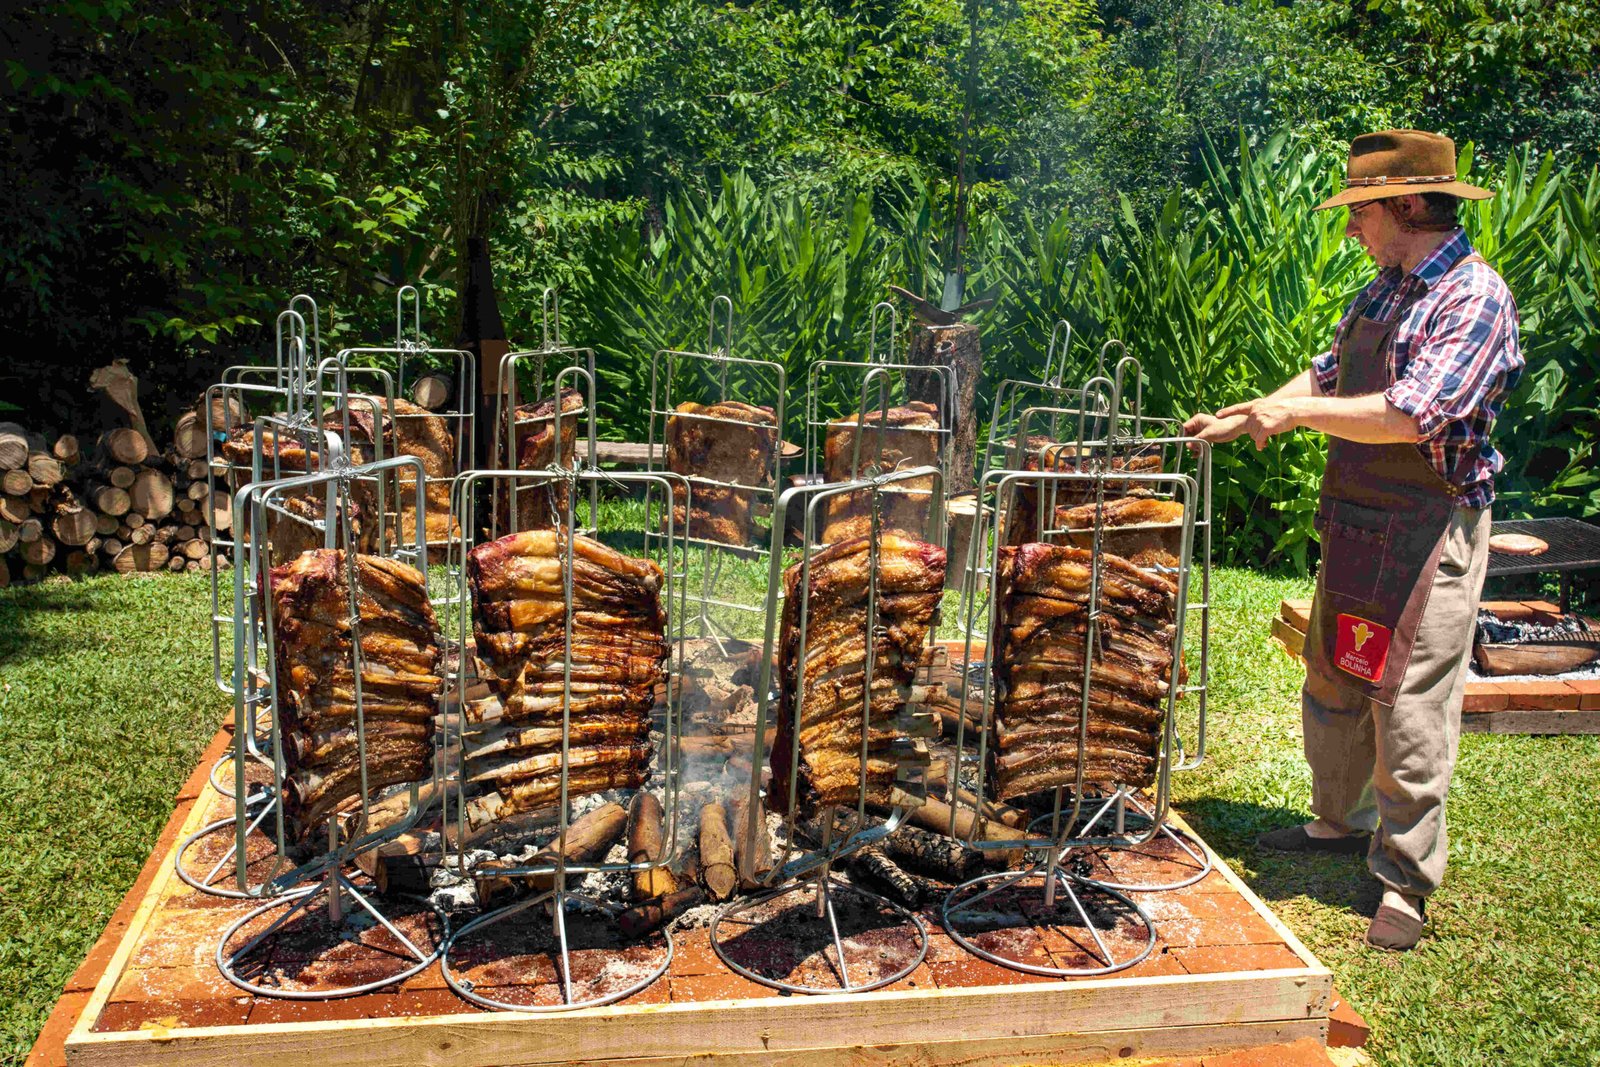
(1224, 975)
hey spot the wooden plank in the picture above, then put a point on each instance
(1512, 721)
(1293, 641)
(751, 1028)
(1296, 613)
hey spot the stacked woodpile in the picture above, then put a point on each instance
(116, 504)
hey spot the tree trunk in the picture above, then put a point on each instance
(152, 494)
(957, 347)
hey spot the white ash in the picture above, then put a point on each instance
(1581, 675)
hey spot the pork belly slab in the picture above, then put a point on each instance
(730, 441)
(316, 676)
(611, 668)
(823, 699)
(900, 437)
(541, 507)
(1042, 599)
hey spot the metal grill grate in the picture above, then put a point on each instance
(1574, 545)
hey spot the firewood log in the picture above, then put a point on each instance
(432, 391)
(195, 469)
(878, 872)
(933, 814)
(166, 535)
(105, 525)
(219, 512)
(71, 522)
(226, 414)
(110, 546)
(66, 448)
(151, 494)
(142, 535)
(135, 558)
(45, 469)
(109, 500)
(80, 562)
(646, 846)
(13, 446)
(651, 915)
(189, 436)
(133, 519)
(8, 535)
(752, 846)
(39, 551)
(121, 476)
(17, 482)
(194, 548)
(589, 838)
(197, 490)
(29, 530)
(39, 499)
(125, 446)
(33, 572)
(932, 854)
(176, 563)
(717, 872)
(119, 384)
(203, 563)
(184, 532)
(15, 508)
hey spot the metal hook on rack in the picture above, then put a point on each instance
(872, 332)
(316, 320)
(400, 338)
(726, 348)
(1100, 358)
(1123, 366)
(549, 319)
(1051, 352)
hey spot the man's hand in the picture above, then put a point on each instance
(1214, 429)
(1263, 418)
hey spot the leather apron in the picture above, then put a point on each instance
(1383, 516)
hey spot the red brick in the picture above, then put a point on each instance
(1547, 695)
(1484, 696)
(172, 983)
(975, 972)
(1225, 959)
(1346, 1027)
(1307, 1052)
(1507, 609)
(919, 979)
(173, 1014)
(692, 955)
(1542, 607)
(49, 1049)
(699, 988)
(1588, 693)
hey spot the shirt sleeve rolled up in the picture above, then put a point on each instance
(1456, 365)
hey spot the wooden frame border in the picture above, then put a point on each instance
(1092, 1020)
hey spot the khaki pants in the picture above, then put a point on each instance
(1387, 769)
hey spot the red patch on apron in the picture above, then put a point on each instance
(1361, 647)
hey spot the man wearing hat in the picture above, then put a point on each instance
(1407, 394)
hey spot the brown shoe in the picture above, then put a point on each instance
(1295, 839)
(1394, 930)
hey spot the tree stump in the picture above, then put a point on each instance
(956, 347)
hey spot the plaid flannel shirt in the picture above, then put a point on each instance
(1454, 357)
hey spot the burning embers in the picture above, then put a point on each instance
(1540, 643)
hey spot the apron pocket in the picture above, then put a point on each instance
(1355, 542)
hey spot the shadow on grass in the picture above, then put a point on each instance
(21, 635)
(1230, 827)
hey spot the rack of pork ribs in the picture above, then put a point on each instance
(832, 679)
(541, 507)
(616, 655)
(729, 441)
(1042, 599)
(316, 671)
(910, 437)
(414, 431)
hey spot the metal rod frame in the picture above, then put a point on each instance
(812, 869)
(560, 898)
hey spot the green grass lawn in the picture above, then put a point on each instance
(106, 701)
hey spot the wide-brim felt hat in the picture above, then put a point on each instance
(1398, 163)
